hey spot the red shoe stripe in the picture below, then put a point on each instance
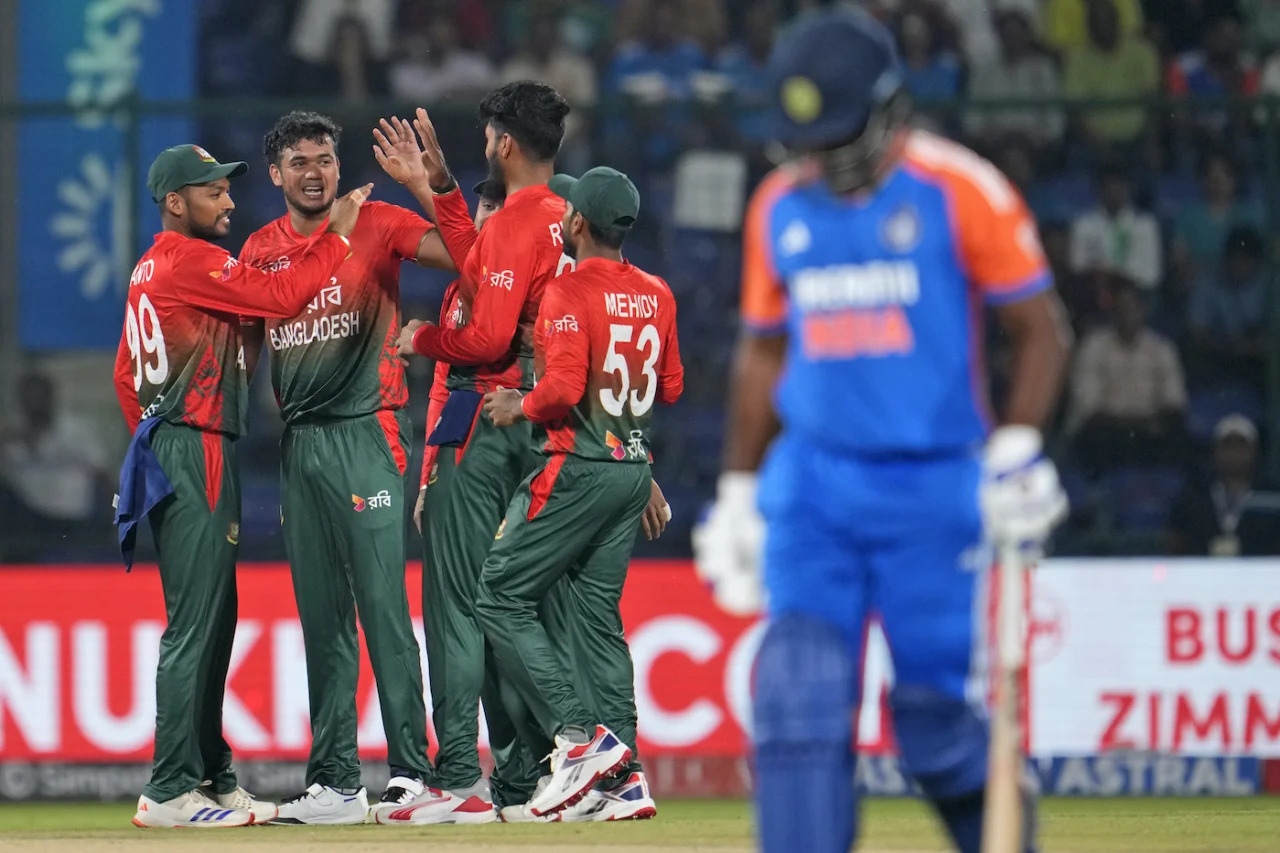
(475, 804)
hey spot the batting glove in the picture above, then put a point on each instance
(1021, 497)
(727, 546)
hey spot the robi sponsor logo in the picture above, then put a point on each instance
(378, 501)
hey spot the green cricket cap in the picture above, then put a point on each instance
(185, 165)
(605, 196)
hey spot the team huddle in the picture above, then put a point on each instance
(885, 481)
(531, 497)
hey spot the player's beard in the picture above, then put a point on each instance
(496, 172)
(211, 232)
(308, 207)
(570, 247)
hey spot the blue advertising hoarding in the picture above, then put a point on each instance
(74, 223)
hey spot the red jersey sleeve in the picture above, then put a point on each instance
(209, 277)
(507, 264)
(439, 394)
(125, 392)
(996, 237)
(402, 229)
(456, 225)
(764, 295)
(566, 353)
(670, 368)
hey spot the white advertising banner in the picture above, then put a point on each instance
(1156, 656)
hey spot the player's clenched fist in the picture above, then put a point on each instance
(504, 406)
(405, 343)
(346, 210)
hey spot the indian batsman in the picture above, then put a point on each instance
(505, 269)
(867, 265)
(606, 352)
(344, 458)
(181, 380)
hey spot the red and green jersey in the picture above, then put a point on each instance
(181, 356)
(606, 350)
(506, 270)
(336, 358)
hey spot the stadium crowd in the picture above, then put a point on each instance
(1151, 215)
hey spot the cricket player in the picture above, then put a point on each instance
(607, 351)
(181, 381)
(504, 270)
(344, 459)
(867, 266)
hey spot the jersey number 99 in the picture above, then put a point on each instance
(146, 342)
(615, 362)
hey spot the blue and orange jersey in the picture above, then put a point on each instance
(881, 296)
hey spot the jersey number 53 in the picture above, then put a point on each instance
(615, 362)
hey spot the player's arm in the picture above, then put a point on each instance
(567, 354)
(410, 237)
(670, 368)
(125, 391)
(495, 309)
(757, 361)
(209, 277)
(1040, 338)
(456, 225)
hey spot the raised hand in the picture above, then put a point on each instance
(432, 154)
(397, 151)
(346, 209)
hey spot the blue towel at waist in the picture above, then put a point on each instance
(143, 485)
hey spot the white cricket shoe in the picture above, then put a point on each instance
(242, 800)
(321, 805)
(577, 764)
(192, 809)
(523, 814)
(434, 806)
(399, 792)
(629, 801)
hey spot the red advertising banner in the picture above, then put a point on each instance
(78, 650)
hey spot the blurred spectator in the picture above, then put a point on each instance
(1262, 23)
(931, 71)
(654, 75)
(1128, 396)
(1111, 64)
(1228, 310)
(342, 46)
(1200, 230)
(1225, 514)
(704, 22)
(744, 63)
(1220, 67)
(1019, 72)
(586, 26)
(53, 464)
(473, 18)
(437, 68)
(975, 33)
(1066, 27)
(1176, 27)
(546, 58)
(1115, 236)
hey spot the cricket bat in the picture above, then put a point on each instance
(1002, 825)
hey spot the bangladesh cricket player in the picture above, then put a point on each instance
(607, 351)
(181, 380)
(505, 269)
(344, 457)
